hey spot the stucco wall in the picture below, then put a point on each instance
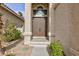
(62, 26)
(66, 24)
(9, 16)
(74, 29)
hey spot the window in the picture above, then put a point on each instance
(39, 11)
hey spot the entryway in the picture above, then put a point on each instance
(39, 22)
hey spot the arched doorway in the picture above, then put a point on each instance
(39, 21)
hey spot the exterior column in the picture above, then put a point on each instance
(49, 28)
(28, 29)
(51, 33)
(52, 23)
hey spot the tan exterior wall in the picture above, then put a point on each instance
(74, 28)
(61, 26)
(9, 16)
(66, 27)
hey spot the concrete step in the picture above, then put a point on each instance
(39, 38)
(39, 41)
(44, 44)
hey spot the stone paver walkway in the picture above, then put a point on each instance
(39, 51)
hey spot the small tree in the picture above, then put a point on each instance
(20, 13)
(11, 33)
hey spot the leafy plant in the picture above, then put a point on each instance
(11, 33)
(56, 49)
(1, 14)
(20, 13)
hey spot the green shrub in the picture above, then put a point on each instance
(17, 34)
(55, 49)
(11, 33)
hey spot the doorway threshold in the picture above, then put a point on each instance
(39, 39)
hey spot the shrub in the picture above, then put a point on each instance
(11, 33)
(17, 34)
(56, 49)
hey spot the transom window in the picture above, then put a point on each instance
(39, 12)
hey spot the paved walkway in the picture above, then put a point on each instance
(39, 51)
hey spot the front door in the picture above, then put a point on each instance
(39, 22)
(39, 26)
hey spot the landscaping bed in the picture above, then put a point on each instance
(17, 48)
(11, 42)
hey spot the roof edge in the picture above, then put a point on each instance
(11, 11)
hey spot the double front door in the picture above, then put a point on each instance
(39, 26)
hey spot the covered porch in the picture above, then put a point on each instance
(38, 24)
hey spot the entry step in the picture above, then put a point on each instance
(39, 44)
(39, 39)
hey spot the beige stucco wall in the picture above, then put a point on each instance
(9, 16)
(74, 29)
(66, 27)
(62, 26)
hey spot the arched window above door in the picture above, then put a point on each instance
(39, 12)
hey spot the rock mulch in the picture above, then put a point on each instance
(20, 50)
